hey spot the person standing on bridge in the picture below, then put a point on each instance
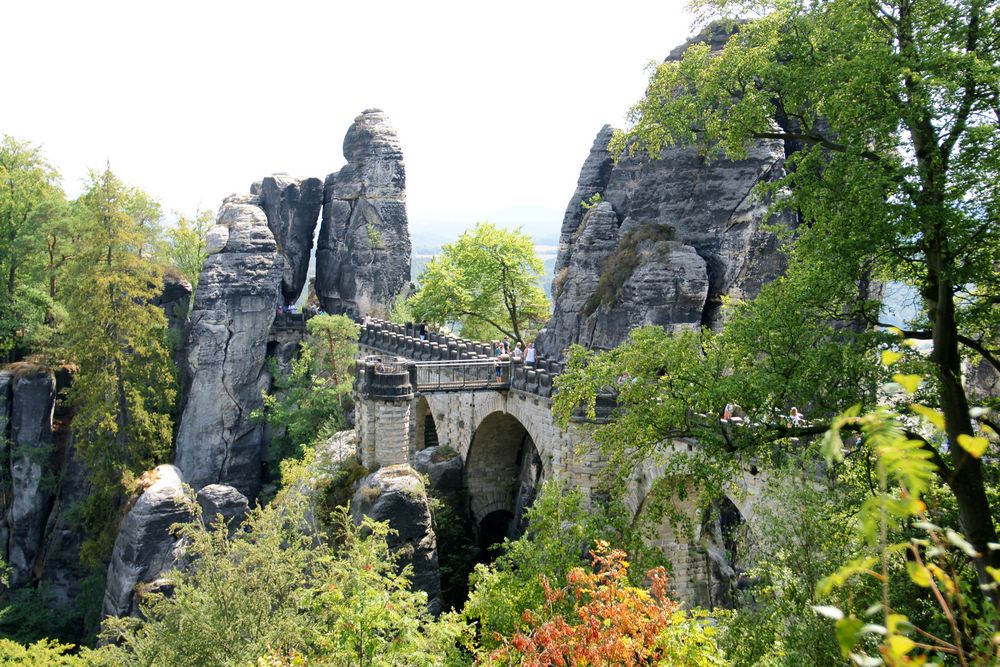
(530, 355)
(497, 354)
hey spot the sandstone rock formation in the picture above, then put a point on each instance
(174, 299)
(238, 292)
(443, 469)
(62, 573)
(661, 241)
(669, 238)
(145, 548)
(292, 207)
(363, 252)
(219, 500)
(397, 495)
(27, 401)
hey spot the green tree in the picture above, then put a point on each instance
(892, 109)
(488, 282)
(124, 387)
(147, 216)
(29, 196)
(185, 244)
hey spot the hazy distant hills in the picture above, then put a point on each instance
(540, 223)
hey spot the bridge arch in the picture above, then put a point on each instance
(703, 538)
(424, 425)
(503, 468)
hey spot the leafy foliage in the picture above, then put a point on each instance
(30, 201)
(610, 622)
(43, 653)
(185, 245)
(559, 529)
(487, 282)
(124, 387)
(272, 590)
(309, 403)
(894, 126)
(933, 559)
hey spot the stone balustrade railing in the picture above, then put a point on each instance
(403, 340)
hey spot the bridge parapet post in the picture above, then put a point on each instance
(385, 388)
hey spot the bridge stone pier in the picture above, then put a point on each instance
(497, 417)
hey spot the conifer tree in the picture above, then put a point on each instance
(123, 390)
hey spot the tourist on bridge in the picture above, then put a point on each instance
(530, 355)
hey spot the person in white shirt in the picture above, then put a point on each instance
(530, 354)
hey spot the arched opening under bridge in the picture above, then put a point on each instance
(502, 473)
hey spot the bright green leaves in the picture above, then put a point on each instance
(918, 574)
(976, 445)
(487, 282)
(185, 245)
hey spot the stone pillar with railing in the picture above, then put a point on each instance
(383, 410)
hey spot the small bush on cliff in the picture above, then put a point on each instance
(310, 402)
(622, 263)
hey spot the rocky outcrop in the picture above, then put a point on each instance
(221, 501)
(27, 401)
(145, 547)
(292, 207)
(363, 251)
(397, 495)
(238, 292)
(661, 241)
(62, 573)
(443, 468)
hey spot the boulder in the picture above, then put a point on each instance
(443, 468)
(239, 290)
(363, 251)
(219, 500)
(28, 399)
(292, 207)
(396, 494)
(145, 548)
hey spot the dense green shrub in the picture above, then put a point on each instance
(274, 590)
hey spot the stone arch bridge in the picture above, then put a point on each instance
(497, 417)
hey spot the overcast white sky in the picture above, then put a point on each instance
(496, 105)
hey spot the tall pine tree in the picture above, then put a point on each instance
(124, 387)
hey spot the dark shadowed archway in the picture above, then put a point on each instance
(502, 473)
(425, 428)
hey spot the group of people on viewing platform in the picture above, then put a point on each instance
(291, 309)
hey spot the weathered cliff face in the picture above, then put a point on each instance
(61, 571)
(363, 251)
(292, 207)
(27, 401)
(145, 547)
(397, 495)
(238, 293)
(669, 238)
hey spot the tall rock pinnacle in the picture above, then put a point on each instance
(363, 252)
